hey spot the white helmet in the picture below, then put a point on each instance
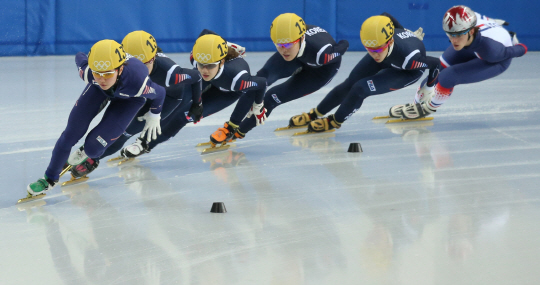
(459, 19)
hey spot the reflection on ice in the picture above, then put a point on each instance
(432, 202)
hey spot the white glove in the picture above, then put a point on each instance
(419, 33)
(259, 111)
(238, 48)
(424, 93)
(152, 125)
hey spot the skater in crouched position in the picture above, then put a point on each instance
(111, 75)
(227, 78)
(182, 94)
(396, 58)
(481, 49)
(307, 54)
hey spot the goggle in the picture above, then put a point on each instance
(150, 61)
(288, 45)
(458, 34)
(106, 75)
(208, 65)
(379, 49)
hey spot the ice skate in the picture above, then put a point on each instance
(219, 139)
(79, 173)
(322, 125)
(130, 152)
(77, 157)
(417, 111)
(395, 111)
(396, 114)
(39, 188)
(301, 120)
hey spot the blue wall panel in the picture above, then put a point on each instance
(45, 27)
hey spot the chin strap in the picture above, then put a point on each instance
(219, 70)
(390, 49)
(302, 46)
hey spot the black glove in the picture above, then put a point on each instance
(195, 112)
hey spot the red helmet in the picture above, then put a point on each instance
(459, 19)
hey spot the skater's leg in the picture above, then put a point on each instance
(385, 81)
(85, 109)
(113, 124)
(171, 125)
(472, 71)
(169, 106)
(304, 83)
(367, 66)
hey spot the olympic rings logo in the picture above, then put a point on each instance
(102, 65)
(140, 57)
(284, 41)
(202, 57)
(370, 43)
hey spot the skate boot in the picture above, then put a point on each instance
(304, 119)
(239, 135)
(138, 148)
(77, 157)
(323, 125)
(84, 168)
(417, 111)
(41, 186)
(225, 134)
(395, 111)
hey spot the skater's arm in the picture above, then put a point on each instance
(81, 60)
(179, 75)
(157, 95)
(423, 62)
(416, 61)
(433, 74)
(331, 53)
(144, 87)
(255, 85)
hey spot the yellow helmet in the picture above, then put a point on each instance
(106, 55)
(376, 31)
(210, 48)
(287, 28)
(141, 45)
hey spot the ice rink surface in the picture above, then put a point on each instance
(451, 201)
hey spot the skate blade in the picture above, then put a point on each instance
(126, 160)
(409, 120)
(289, 128)
(312, 133)
(74, 180)
(214, 149)
(29, 198)
(210, 143)
(381, 117)
(116, 158)
(68, 168)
